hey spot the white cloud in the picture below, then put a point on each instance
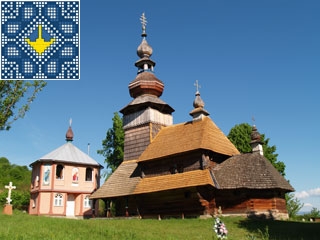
(314, 192)
(308, 193)
(302, 194)
(307, 205)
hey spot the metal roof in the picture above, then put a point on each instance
(68, 153)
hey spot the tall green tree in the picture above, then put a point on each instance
(15, 99)
(240, 136)
(293, 205)
(113, 144)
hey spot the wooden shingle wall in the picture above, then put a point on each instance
(136, 140)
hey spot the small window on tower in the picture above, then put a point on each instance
(88, 174)
(59, 172)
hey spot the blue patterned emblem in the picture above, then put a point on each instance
(40, 40)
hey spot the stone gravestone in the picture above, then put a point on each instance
(8, 207)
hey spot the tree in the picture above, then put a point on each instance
(113, 144)
(20, 176)
(15, 99)
(293, 205)
(240, 136)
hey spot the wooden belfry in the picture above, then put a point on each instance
(8, 207)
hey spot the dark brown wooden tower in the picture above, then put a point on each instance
(147, 113)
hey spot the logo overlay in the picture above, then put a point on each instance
(40, 40)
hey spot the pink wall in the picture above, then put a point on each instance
(45, 184)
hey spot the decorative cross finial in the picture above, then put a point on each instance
(144, 22)
(70, 122)
(9, 187)
(197, 85)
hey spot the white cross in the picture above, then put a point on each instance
(10, 187)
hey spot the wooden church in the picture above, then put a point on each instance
(62, 182)
(187, 169)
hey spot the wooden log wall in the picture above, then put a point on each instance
(173, 203)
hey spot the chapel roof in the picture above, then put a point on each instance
(188, 136)
(68, 153)
(249, 170)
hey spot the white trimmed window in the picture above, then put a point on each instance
(58, 200)
(87, 202)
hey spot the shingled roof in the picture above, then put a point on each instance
(184, 137)
(174, 181)
(249, 170)
(121, 183)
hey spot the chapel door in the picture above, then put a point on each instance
(70, 206)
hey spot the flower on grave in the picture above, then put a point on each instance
(220, 229)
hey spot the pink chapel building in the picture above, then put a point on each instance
(62, 182)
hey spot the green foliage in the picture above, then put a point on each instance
(11, 94)
(113, 144)
(293, 205)
(315, 213)
(240, 136)
(20, 177)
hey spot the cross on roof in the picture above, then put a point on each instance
(197, 85)
(9, 187)
(144, 22)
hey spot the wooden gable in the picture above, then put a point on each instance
(186, 137)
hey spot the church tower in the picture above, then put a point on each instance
(144, 116)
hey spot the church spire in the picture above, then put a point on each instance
(145, 82)
(144, 50)
(198, 112)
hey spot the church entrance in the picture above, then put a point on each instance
(70, 206)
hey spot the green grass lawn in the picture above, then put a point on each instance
(23, 226)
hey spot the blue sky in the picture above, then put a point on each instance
(251, 58)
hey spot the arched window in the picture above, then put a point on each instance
(87, 202)
(88, 174)
(59, 171)
(58, 200)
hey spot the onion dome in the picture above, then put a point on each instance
(198, 112)
(144, 50)
(69, 133)
(255, 135)
(198, 102)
